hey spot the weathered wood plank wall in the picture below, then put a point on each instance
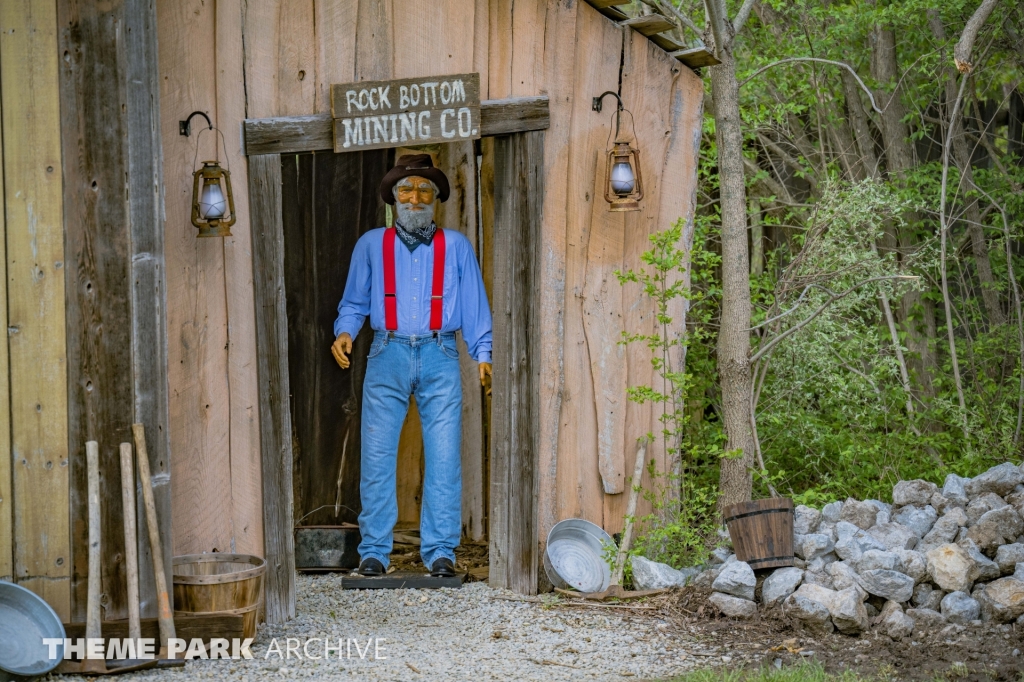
(33, 197)
(586, 430)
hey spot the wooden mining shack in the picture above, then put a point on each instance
(116, 313)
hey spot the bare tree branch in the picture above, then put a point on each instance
(807, 320)
(943, 233)
(815, 59)
(798, 169)
(962, 50)
(773, 185)
(742, 15)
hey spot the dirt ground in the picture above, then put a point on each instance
(470, 557)
(986, 652)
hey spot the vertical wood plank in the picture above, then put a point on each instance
(148, 268)
(499, 68)
(686, 113)
(481, 44)
(647, 76)
(197, 314)
(559, 65)
(272, 365)
(232, 92)
(280, 54)
(679, 183)
(528, 44)
(97, 281)
(518, 188)
(6, 462)
(335, 47)
(35, 259)
(296, 59)
(433, 37)
(375, 36)
(598, 49)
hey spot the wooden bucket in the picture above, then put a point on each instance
(219, 584)
(762, 532)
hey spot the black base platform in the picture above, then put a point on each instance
(409, 580)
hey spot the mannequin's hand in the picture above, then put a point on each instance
(341, 348)
(485, 376)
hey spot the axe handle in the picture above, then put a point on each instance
(131, 550)
(163, 600)
(93, 619)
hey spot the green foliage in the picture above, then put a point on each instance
(682, 499)
(832, 412)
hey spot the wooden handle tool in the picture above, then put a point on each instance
(93, 617)
(164, 614)
(131, 550)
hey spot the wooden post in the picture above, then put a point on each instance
(131, 554)
(272, 369)
(144, 183)
(518, 194)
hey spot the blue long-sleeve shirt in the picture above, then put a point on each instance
(465, 300)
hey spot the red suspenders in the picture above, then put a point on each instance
(437, 288)
(390, 304)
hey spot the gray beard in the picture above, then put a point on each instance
(414, 220)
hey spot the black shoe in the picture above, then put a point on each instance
(442, 568)
(371, 567)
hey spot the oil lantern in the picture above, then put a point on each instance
(624, 188)
(213, 206)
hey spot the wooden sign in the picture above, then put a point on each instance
(407, 112)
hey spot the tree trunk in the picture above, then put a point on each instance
(735, 483)
(899, 157)
(859, 124)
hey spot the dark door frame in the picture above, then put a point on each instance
(517, 126)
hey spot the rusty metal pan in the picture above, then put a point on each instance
(25, 619)
(575, 556)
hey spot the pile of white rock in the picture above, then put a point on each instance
(933, 558)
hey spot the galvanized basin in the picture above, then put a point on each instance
(25, 619)
(575, 556)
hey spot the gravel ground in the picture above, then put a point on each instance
(469, 634)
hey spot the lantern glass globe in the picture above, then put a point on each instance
(212, 203)
(623, 180)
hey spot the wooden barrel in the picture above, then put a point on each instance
(221, 584)
(762, 531)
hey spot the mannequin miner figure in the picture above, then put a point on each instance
(419, 284)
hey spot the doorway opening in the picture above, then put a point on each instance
(329, 201)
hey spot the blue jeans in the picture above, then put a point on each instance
(427, 367)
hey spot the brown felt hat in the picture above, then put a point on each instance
(414, 164)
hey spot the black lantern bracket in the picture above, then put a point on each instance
(185, 127)
(599, 100)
